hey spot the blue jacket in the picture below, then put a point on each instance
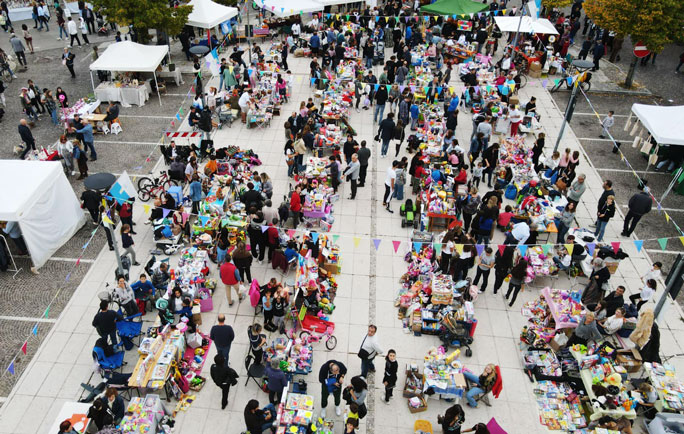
(87, 132)
(453, 104)
(315, 41)
(415, 111)
(141, 288)
(195, 191)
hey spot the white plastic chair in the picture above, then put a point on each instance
(116, 128)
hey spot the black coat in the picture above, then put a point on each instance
(640, 203)
(386, 130)
(223, 376)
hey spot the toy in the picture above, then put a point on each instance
(409, 211)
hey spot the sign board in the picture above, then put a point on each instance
(640, 50)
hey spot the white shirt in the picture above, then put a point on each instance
(389, 176)
(296, 29)
(551, 163)
(506, 63)
(613, 324)
(448, 248)
(521, 232)
(71, 25)
(653, 274)
(485, 128)
(314, 23)
(243, 102)
(646, 293)
(370, 344)
(515, 116)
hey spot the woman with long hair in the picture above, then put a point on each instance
(517, 282)
(483, 384)
(243, 261)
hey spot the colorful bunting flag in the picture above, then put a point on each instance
(569, 248)
(417, 246)
(291, 233)
(357, 240)
(616, 246)
(23, 347)
(438, 248)
(546, 248)
(314, 236)
(663, 243)
(522, 248)
(639, 244)
(165, 212)
(590, 248)
(396, 245)
(480, 249)
(376, 241)
(35, 330)
(335, 238)
(502, 248)
(10, 368)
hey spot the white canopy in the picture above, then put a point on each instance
(665, 123)
(43, 203)
(510, 24)
(286, 8)
(207, 14)
(127, 56)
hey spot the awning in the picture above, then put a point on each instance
(527, 25)
(207, 14)
(665, 123)
(286, 8)
(127, 56)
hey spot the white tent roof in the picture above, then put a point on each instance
(510, 24)
(286, 8)
(126, 56)
(665, 123)
(207, 14)
(42, 201)
(335, 2)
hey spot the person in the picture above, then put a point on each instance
(606, 212)
(87, 131)
(112, 112)
(127, 243)
(67, 428)
(482, 384)
(363, 155)
(380, 101)
(257, 341)
(105, 322)
(68, 60)
(479, 428)
(471, 203)
(296, 206)
(230, 276)
(350, 425)
(599, 51)
(258, 420)
(280, 302)
(331, 377)
(598, 278)
(390, 179)
(243, 261)
(223, 376)
(356, 393)
(26, 137)
(126, 296)
(100, 414)
(115, 403)
(577, 189)
(352, 173)
(73, 31)
(562, 261)
(84, 30)
(452, 420)
(276, 381)
(654, 273)
(161, 277)
(565, 220)
(502, 265)
(222, 335)
(644, 295)
(389, 379)
(515, 116)
(606, 124)
(517, 282)
(646, 404)
(613, 323)
(81, 159)
(586, 331)
(27, 37)
(19, 49)
(639, 205)
(369, 349)
(607, 191)
(386, 133)
(485, 263)
(143, 290)
(477, 174)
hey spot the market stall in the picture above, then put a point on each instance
(564, 306)
(669, 388)
(127, 56)
(158, 358)
(84, 107)
(127, 92)
(143, 415)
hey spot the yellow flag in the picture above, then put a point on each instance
(667, 217)
(459, 248)
(569, 248)
(104, 203)
(107, 220)
(146, 208)
(682, 240)
(357, 240)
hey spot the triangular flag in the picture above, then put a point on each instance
(663, 243)
(165, 212)
(104, 202)
(438, 248)
(640, 243)
(23, 347)
(396, 245)
(522, 248)
(78, 261)
(10, 368)
(569, 248)
(335, 238)
(291, 233)
(47, 312)
(667, 217)
(376, 241)
(590, 248)
(35, 330)
(502, 248)
(480, 249)
(459, 248)
(264, 228)
(204, 219)
(146, 208)
(546, 248)
(357, 240)
(314, 236)
(544, 83)
(178, 116)
(107, 220)
(616, 246)
(682, 240)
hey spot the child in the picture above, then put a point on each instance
(127, 242)
(477, 174)
(505, 218)
(353, 413)
(390, 378)
(351, 425)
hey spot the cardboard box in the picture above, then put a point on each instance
(196, 315)
(629, 359)
(534, 74)
(513, 100)
(423, 406)
(413, 384)
(535, 66)
(332, 268)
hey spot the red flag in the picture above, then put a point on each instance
(502, 247)
(23, 347)
(616, 246)
(396, 245)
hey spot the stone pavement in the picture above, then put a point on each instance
(367, 288)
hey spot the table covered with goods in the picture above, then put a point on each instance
(317, 207)
(294, 355)
(143, 415)
(157, 356)
(127, 94)
(83, 107)
(669, 388)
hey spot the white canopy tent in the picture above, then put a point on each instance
(527, 25)
(42, 201)
(206, 14)
(286, 8)
(128, 56)
(665, 123)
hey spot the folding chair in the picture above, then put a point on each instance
(254, 370)
(108, 364)
(129, 329)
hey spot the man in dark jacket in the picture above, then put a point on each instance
(364, 155)
(639, 205)
(224, 376)
(222, 335)
(386, 133)
(251, 197)
(331, 377)
(599, 51)
(26, 137)
(105, 321)
(607, 191)
(613, 300)
(490, 158)
(380, 99)
(276, 382)
(91, 200)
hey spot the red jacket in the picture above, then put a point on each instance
(229, 274)
(295, 202)
(273, 236)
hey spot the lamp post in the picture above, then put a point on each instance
(582, 66)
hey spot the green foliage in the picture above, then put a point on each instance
(144, 14)
(556, 3)
(654, 22)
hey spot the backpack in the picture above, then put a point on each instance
(471, 204)
(486, 224)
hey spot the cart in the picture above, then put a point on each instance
(457, 333)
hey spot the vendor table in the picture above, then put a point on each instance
(81, 108)
(153, 370)
(561, 318)
(75, 412)
(175, 75)
(126, 95)
(143, 414)
(670, 390)
(432, 216)
(21, 14)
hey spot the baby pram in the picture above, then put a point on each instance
(168, 245)
(456, 333)
(379, 54)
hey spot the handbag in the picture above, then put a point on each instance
(346, 394)
(363, 354)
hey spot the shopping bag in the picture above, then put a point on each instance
(194, 340)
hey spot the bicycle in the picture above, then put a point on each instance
(312, 337)
(149, 187)
(571, 71)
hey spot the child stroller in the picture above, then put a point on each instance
(379, 54)
(456, 333)
(410, 213)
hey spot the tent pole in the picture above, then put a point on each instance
(157, 86)
(517, 32)
(92, 82)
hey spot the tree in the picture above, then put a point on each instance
(144, 15)
(653, 22)
(549, 4)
